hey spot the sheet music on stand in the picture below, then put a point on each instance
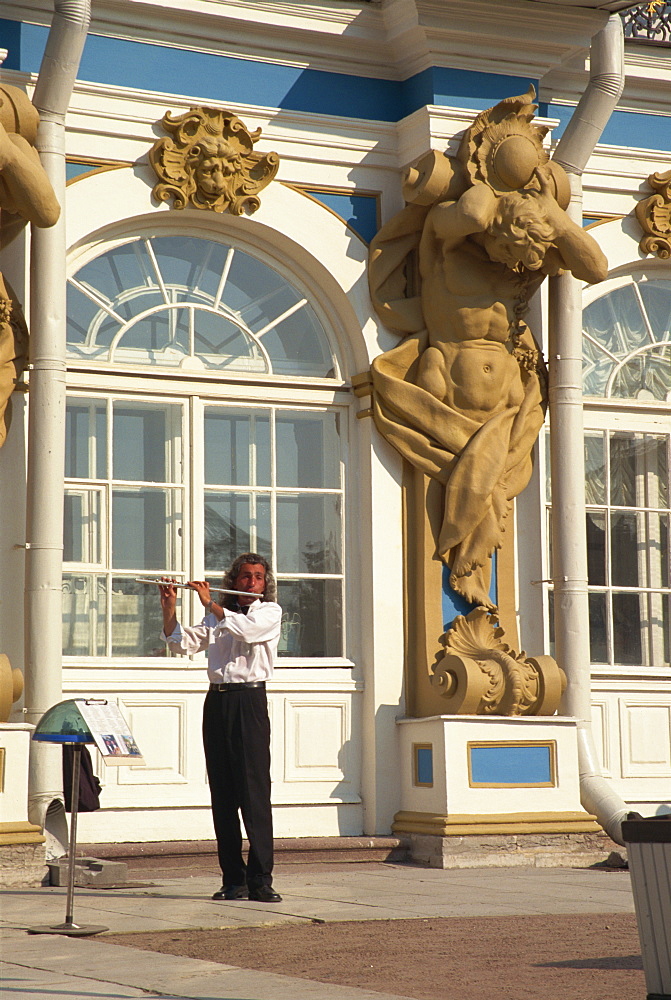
(110, 731)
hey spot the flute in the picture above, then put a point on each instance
(185, 586)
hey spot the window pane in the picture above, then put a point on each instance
(119, 270)
(235, 523)
(623, 491)
(85, 440)
(297, 341)
(596, 369)
(178, 259)
(308, 450)
(82, 314)
(137, 620)
(627, 542)
(639, 470)
(595, 467)
(312, 612)
(655, 629)
(628, 613)
(237, 448)
(631, 329)
(645, 376)
(654, 467)
(256, 292)
(82, 526)
(223, 341)
(599, 322)
(657, 550)
(84, 615)
(308, 534)
(146, 529)
(598, 628)
(656, 297)
(145, 439)
(156, 333)
(596, 548)
(207, 264)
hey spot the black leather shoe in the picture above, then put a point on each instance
(265, 894)
(231, 892)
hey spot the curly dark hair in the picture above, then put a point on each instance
(269, 594)
(524, 223)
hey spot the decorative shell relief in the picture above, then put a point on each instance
(654, 216)
(209, 162)
(479, 674)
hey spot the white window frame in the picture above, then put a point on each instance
(91, 378)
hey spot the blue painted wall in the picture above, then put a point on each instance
(624, 128)
(359, 211)
(454, 604)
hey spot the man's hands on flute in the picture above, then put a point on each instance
(168, 604)
(168, 592)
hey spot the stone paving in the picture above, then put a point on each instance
(51, 966)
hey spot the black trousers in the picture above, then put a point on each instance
(236, 737)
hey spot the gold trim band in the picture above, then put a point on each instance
(21, 833)
(468, 825)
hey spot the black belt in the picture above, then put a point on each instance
(237, 685)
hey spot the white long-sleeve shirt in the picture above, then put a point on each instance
(240, 647)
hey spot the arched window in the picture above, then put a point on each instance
(627, 387)
(193, 303)
(203, 421)
(626, 342)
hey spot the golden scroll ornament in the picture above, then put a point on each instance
(654, 216)
(479, 674)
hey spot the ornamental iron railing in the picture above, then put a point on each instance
(649, 23)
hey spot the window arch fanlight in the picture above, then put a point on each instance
(193, 303)
(627, 341)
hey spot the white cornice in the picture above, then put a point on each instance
(391, 40)
(520, 37)
(340, 38)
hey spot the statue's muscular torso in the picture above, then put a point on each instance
(468, 302)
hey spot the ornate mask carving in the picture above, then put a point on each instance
(208, 161)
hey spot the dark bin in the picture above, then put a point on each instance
(649, 850)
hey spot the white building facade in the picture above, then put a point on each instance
(210, 409)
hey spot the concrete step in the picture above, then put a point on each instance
(294, 851)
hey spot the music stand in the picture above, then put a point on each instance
(64, 724)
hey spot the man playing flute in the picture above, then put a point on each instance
(241, 636)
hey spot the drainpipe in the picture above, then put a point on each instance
(46, 429)
(569, 540)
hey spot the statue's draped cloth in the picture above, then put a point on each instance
(13, 350)
(482, 466)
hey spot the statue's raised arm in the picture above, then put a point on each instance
(25, 189)
(26, 196)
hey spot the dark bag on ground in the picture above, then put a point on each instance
(89, 786)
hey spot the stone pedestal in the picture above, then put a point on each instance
(491, 790)
(22, 851)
